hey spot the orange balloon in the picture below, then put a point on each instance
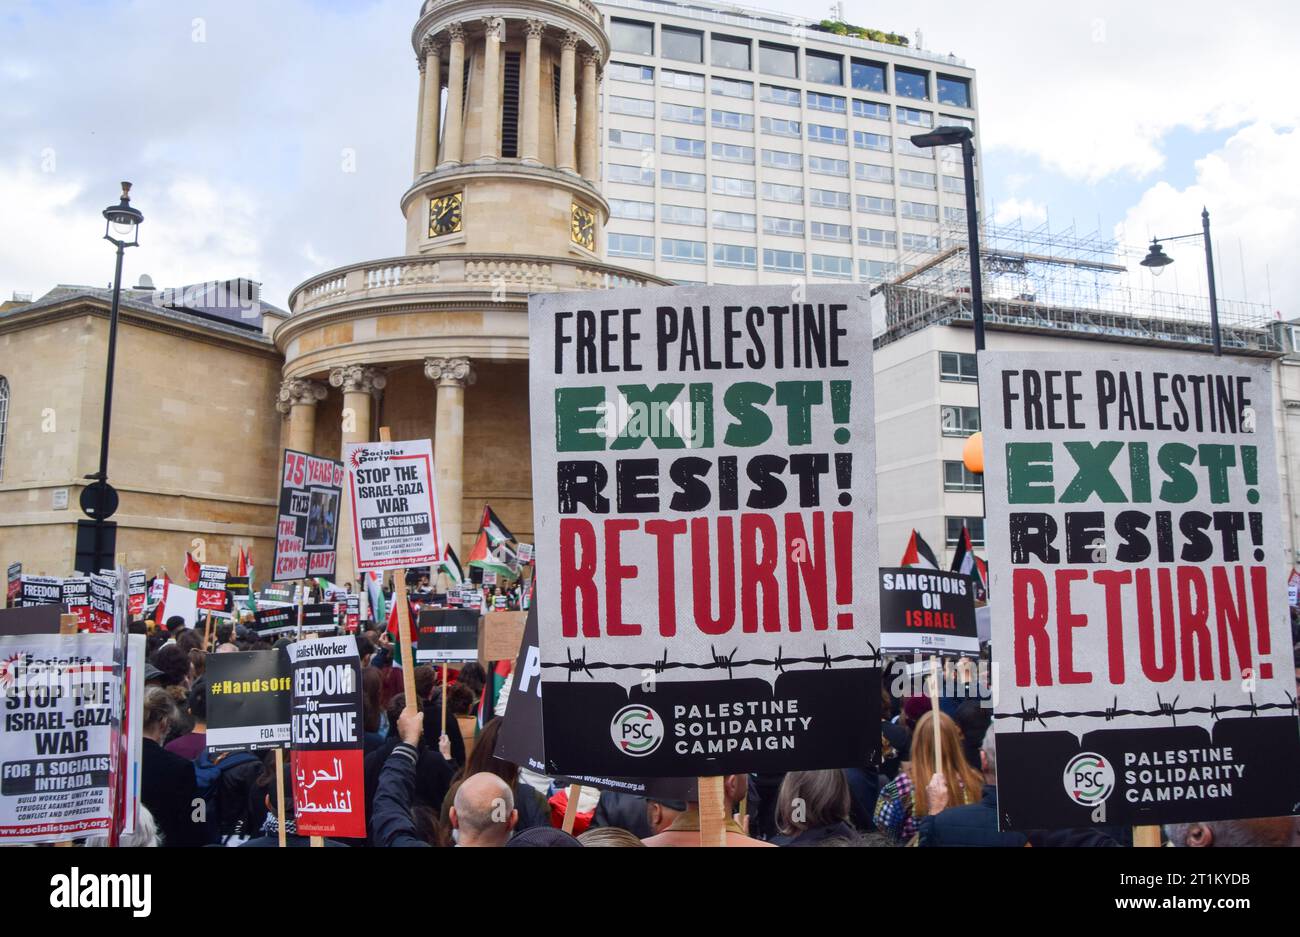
(973, 454)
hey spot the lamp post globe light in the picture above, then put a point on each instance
(1156, 260)
(99, 501)
(963, 137)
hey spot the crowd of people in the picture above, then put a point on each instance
(429, 785)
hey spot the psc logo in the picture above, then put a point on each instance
(1089, 779)
(637, 731)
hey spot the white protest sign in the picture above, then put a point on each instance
(394, 504)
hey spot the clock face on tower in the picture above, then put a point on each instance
(584, 227)
(445, 214)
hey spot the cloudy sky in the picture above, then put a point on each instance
(273, 139)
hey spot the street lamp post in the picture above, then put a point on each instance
(1156, 261)
(964, 137)
(99, 501)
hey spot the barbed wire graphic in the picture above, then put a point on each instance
(826, 660)
(1165, 709)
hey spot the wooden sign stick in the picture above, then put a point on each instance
(207, 634)
(934, 717)
(404, 621)
(1146, 836)
(279, 796)
(713, 811)
(571, 808)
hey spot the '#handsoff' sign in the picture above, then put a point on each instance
(394, 504)
(1139, 581)
(703, 470)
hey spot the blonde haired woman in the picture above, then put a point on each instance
(920, 790)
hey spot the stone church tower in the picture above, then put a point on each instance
(504, 202)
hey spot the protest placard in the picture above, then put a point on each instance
(394, 504)
(446, 636)
(320, 618)
(327, 742)
(212, 588)
(501, 635)
(40, 590)
(59, 695)
(927, 611)
(1141, 633)
(704, 506)
(249, 701)
(74, 595)
(353, 613)
(137, 588)
(103, 588)
(307, 528)
(14, 586)
(39, 619)
(277, 622)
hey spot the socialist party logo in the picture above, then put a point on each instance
(1088, 779)
(637, 731)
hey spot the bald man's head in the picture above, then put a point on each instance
(484, 811)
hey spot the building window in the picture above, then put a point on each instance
(917, 180)
(783, 193)
(632, 175)
(955, 184)
(782, 159)
(785, 227)
(782, 61)
(682, 81)
(827, 166)
(926, 243)
(686, 252)
(629, 140)
(631, 245)
(877, 237)
(826, 102)
(774, 94)
(637, 74)
(871, 141)
(632, 36)
(920, 211)
(4, 421)
(682, 146)
(868, 76)
(824, 265)
(870, 172)
(874, 205)
(673, 179)
(733, 153)
(974, 525)
(907, 148)
(681, 214)
(729, 88)
(949, 120)
(735, 255)
(954, 91)
(875, 270)
(783, 261)
(828, 198)
(634, 107)
(729, 185)
(870, 110)
(954, 215)
(729, 52)
(910, 115)
(734, 221)
(821, 133)
(823, 67)
(681, 113)
(630, 209)
(780, 127)
(909, 83)
(958, 367)
(957, 477)
(827, 231)
(959, 421)
(684, 45)
(732, 120)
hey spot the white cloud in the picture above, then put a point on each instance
(1026, 211)
(1254, 213)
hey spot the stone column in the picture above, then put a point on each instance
(588, 120)
(298, 399)
(430, 101)
(452, 375)
(454, 135)
(419, 118)
(490, 115)
(531, 104)
(564, 155)
(361, 385)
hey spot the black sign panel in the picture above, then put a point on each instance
(927, 611)
(249, 701)
(446, 636)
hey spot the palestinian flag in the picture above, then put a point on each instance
(965, 561)
(375, 594)
(496, 531)
(487, 703)
(484, 558)
(160, 609)
(192, 571)
(451, 565)
(918, 553)
(245, 568)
